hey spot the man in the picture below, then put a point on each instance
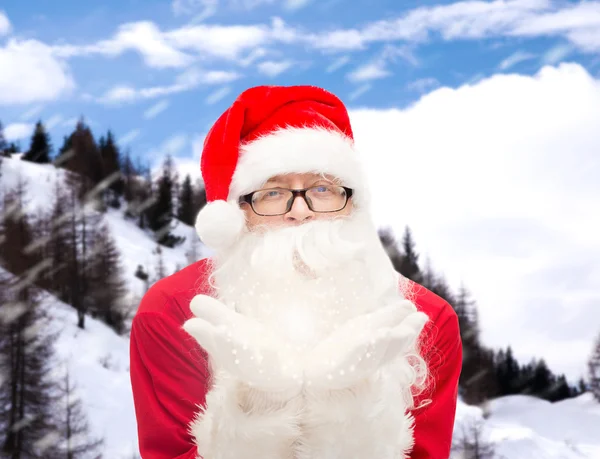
(296, 339)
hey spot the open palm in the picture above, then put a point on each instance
(363, 345)
(242, 346)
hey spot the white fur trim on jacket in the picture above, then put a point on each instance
(365, 422)
(239, 422)
(298, 150)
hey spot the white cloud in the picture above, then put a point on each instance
(218, 95)
(474, 19)
(295, 4)
(53, 121)
(181, 47)
(255, 54)
(337, 64)
(578, 22)
(72, 122)
(144, 37)
(377, 67)
(423, 84)
(129, 137)
(33, 112)
(5, 27)
(172, 146)
(556, 54)
(31, 73)
(18, 131)
(274, 68)
(191, 165)
(371, 71)
(514, 59)
(498, 181)
(156, 109)
(359, 91)
(201, 9)
(190, 79)
(219, 41)
(197, 146)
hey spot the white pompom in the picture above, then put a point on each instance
(219, 224)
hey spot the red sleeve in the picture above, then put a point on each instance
(434, 423)
(168, 378)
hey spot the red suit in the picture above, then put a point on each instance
(169, 371)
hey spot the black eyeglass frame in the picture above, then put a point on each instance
(247, 198)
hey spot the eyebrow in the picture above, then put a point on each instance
(278, 182)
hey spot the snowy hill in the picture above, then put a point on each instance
(519, 427)
(134, 244)
(99, 358)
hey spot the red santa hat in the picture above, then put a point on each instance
(269, 131)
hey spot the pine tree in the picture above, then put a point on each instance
(542, 380)
(129, 174)
(436, 283)
(160, 213)
(83, 159)
(582, 386)
(74, 433)
(108, 288)
(478, 378)
(65, 153)
(410, 260)
(185, 211)
(81, 224)
(26, 345)
(40, 147)
(199, 197)
(560, 390)
(3, 143)
(13, 147)
(594, 370)
(138, 191)
(508, 372)
(57, 248)
(111, 160)
(388, 241)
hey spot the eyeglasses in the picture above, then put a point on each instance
(278, 201)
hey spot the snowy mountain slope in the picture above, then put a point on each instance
(520, 427)
(98, 358)
(98, 362)
(134, 244)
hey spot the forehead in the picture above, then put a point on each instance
(302, 177)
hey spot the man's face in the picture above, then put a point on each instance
(300, 212)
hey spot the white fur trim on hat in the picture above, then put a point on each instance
(298, 150)
(220, 223)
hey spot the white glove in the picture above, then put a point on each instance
(243, 347)
(363, 345)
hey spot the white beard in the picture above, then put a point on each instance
(303, 281)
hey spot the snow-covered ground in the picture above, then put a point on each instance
(519, 427)
(523, 427)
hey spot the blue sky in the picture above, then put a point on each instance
(477, 122)
(158, 73)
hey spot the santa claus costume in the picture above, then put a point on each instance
(295, 341)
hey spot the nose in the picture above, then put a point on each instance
(299, 212)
